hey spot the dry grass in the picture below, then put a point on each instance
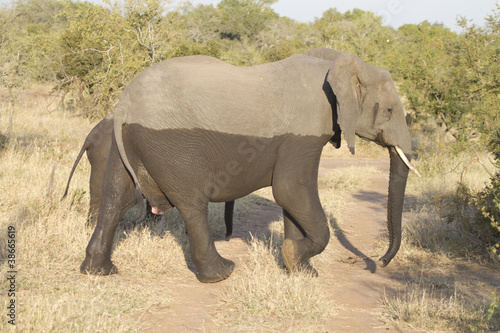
(439, 214)
(424, 306)
(262, 295)
(346, 180)
(52, 295)
(443, 243)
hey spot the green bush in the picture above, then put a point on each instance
(489, 205)
(489, 198)
(91, 51)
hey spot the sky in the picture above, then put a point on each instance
(393, 12)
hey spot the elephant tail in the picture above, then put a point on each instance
(118, 130)
(79, 157)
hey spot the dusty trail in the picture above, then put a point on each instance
(358, 280)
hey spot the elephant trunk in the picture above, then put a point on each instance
(397, 185)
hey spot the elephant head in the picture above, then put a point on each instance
(368, 106)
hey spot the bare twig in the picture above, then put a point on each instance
(475, 158)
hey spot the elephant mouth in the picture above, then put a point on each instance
(380, 139)
(402, 155)
(406, 161)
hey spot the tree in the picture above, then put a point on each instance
(147, 19)
(28, 41)
(199, 24)
(479, 70)
(423, 64)
(357, 31)
(100, 55)
(241, 18)
(285, 37)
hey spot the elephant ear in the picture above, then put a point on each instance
(346, 80)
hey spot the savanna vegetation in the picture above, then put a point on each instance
(63, 65)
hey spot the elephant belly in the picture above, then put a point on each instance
(197, 163)
(155, 197)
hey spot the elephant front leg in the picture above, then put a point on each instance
(297, 248)
(210, 266)
(306, 227)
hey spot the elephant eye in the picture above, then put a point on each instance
(389, 110)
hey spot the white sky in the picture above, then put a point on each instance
(394, 12)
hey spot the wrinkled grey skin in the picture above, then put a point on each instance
(97, 145)
(194, 130)
(324, 53)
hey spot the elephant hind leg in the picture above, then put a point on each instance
(228, 218)
(119, 196)
(95, 206)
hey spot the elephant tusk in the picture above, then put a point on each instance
(406, 161)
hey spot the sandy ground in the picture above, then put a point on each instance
(355, 280)
(359, 280)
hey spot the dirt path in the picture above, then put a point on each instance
(359, 282)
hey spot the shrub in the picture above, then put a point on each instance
(489, 205)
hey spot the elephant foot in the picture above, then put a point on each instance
(97, 266)
(215, 273)
(307, 269)
(291, 254)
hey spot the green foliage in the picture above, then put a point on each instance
(285, 37)
(425, 73)
(189, 47)
(453, 78)
(494, 309)
(83, 41)
(199, 24)
(479, 71)
(90, 51)
(489, 204)
(358, 32)
(244, 18)
(100, 55)
(28, 45)
(488, 200)
(146, 18)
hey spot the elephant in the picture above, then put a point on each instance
(324, 53)
(194, 130)
(97, 145)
